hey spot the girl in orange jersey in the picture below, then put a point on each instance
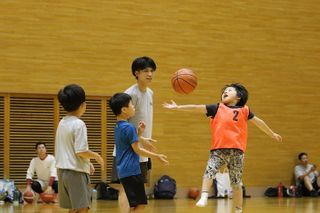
(228, 123)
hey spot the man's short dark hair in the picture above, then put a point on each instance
(242, 93)
(71, 97)
(142, 63)
(302, 154)
(40, 143)
(119, 100)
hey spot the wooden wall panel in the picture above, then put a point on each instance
(270, 46)
(92, 118)
(110, 121)
(31, 120)
(1, 136)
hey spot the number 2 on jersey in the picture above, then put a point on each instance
(235, 116)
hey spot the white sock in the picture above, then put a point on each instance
(203, 200)
(204, 195)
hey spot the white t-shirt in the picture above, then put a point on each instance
(143, 103)
(44, 169)
(301, 170)
(71, 138)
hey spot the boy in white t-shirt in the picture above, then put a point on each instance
(72, 152)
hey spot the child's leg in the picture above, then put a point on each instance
(235, 166)
(123, 201)
(133, 188)
(206, 185)
(215, 162)
(237, 196)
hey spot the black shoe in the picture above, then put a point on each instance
(313, 193)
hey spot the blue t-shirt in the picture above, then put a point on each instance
(127, 160)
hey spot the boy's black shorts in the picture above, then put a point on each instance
(134, 188)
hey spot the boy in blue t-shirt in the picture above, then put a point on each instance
(128, 151)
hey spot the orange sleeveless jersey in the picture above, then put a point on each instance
(229, 128)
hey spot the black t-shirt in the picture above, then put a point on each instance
(213, 108)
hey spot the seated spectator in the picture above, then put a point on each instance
(45, 167)
(307, 177)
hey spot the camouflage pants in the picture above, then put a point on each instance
(233, 158)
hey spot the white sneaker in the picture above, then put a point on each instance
(202, 202)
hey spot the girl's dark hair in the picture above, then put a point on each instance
(71, 97)
(242, 93)
(142, 63)
(119, 100)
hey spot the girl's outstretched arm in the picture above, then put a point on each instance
(186, 108)
(265, 128)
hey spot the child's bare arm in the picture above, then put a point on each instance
(90, 154)
(147, 143)
(189, 108)
(143, 152)
(265, 128)
(141, 128)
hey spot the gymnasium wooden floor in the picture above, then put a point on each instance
(251, 205)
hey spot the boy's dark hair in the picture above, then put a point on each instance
(302, 154)
(71, 97)
(242, 93)
(40, 143)
(142, 63)
(119, 100)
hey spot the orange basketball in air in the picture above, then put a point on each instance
(184, 81)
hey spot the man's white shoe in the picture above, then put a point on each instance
(202, 202)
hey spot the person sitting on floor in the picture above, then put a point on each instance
(307, 177)
(44, 165)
